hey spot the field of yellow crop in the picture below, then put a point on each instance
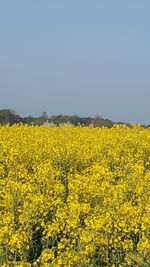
(74, 196)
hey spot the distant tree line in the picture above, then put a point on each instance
(9, 116)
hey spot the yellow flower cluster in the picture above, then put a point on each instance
(74, 196)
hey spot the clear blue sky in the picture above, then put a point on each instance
(85, 57)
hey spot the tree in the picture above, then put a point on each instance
(9, 116)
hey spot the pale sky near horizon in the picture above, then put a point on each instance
(84, 57)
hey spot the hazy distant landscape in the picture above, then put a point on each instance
(9, 116)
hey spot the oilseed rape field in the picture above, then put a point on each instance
(74, 196)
